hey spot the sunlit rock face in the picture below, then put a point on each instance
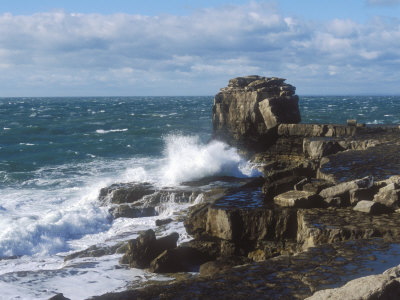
(249, 109)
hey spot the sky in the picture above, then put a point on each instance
(176, 47)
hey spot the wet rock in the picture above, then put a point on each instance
(208, 247)
(142, 250)
(125, 192)
(371, 207)
(222, 265)
(180, 259)
(160, 222)
(389, 196)
(298, 199)
(127, 211)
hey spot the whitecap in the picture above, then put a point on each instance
(102, 131)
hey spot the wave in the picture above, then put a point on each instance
(102, 131)
(188, 159)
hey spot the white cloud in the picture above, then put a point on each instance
(62, 53)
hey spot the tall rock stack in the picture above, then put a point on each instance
(247, 111)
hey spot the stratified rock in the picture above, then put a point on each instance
(389, 196)
(125, 192)
(299, 199)
(251, 107)
(142, 250)
(371, 207)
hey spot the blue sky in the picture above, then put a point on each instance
(88, 48)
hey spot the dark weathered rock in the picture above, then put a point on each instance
(142, 250)
(357, 195)
(272, 188)
(125, 192)
(160, 222)
(180, 259)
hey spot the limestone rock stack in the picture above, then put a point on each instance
(248, 110)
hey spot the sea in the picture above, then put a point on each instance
(57, 153)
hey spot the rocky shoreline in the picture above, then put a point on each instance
(326, 209)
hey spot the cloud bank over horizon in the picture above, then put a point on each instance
(60, 53)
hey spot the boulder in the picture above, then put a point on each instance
(371, 207)
(59, 296)
(142, 250)
(96, 251)
(272, 187)
(299, 199)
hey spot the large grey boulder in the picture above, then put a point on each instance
(250, 108)
(299, 199)
(389, 195)
(384, 286)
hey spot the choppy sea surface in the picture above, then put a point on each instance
(57, 153)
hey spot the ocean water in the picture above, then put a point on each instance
(57, 153)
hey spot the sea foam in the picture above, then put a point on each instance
(188, 159)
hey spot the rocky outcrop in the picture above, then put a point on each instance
(248, 110)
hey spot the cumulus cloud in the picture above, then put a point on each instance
(82, 54)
